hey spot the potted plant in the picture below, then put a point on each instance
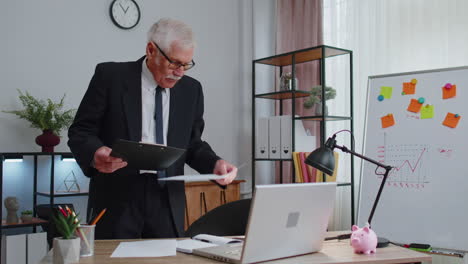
(315, 98)
(45, 115)
(67, 247)
(26, 216)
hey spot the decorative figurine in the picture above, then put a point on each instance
(70, 184)
(363, 240)
(12, 206)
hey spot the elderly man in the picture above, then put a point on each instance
(149, 100)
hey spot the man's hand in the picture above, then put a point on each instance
(104, 163)
(223, 167)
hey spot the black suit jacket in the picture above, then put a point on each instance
(111, 109)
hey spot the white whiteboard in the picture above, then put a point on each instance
(425, 199)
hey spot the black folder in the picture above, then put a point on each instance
(146, 156)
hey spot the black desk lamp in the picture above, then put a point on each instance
(323, 160)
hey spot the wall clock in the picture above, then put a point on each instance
(125, 13)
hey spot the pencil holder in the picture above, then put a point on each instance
(86, 235)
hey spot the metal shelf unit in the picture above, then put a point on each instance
(320, 54)
(51, 194)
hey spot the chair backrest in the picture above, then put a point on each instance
(229, 219)
(44, 211)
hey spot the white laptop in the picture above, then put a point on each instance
(285, 220)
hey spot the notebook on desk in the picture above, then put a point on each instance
(285, 220)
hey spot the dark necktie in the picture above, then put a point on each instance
(158, 117)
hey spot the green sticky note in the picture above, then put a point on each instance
(427, 111)
(386, 92)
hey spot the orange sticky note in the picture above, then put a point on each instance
(409, 88)
(414, 106)
(450, 92)
(451, 120)
(387, 121)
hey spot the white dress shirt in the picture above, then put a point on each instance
(148, 92)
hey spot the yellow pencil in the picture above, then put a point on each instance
(98, 217)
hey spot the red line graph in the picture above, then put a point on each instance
(409, 164)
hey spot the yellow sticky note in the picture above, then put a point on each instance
(386, 92)
(427, 112)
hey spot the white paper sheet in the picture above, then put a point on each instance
(196, 177)
(201, 177)
(218, 240)
(147, 248)
(188, 245)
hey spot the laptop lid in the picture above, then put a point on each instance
(287, 220)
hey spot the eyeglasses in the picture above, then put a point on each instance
(173, 65)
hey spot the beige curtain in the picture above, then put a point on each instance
(299, 26)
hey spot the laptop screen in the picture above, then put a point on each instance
(287, 220)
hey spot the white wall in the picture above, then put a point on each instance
(264, 39)
(49, 48)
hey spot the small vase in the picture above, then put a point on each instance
(66, 251)
(48, 140)
(287, 84)
(26, 218)
(318, 109)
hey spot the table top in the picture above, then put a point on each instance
(333, 251)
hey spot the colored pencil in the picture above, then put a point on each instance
(98, 217)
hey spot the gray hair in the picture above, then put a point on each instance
(167, 31)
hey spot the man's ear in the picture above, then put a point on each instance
(150, 50)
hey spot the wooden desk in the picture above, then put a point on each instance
(333, 252)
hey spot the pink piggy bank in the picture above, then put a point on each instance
(363, 240)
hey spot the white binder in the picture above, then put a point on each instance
(261, 139)
(286, 138)
(303, 142)
(14, 249)
(37, 247)
(274, 125)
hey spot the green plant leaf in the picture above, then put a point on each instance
(44, 114)
(65, 226)
(61, 230)
(316, 95)
(70, 219)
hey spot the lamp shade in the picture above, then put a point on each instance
(322, 159)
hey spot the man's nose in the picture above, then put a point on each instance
(179, 71)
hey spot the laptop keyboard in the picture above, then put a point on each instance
(235, 251)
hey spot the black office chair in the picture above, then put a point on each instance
(44, 211)
(226, 220)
